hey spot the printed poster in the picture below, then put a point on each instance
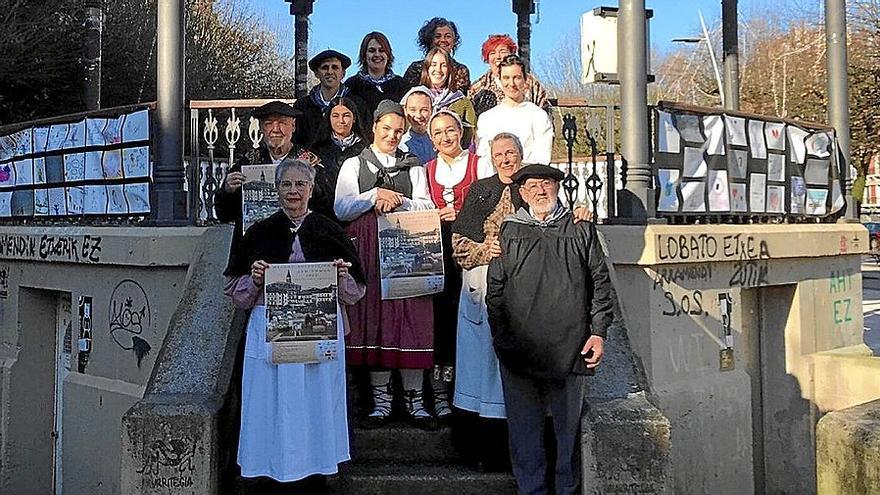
(816, 199)
(259, 198)
(410, 254)
(301, 312)
(798, 195)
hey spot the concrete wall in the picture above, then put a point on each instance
(134, 277)
(795, 294)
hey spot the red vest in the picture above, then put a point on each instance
(460, 190)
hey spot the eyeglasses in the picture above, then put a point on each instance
(543, 184)
(287, 185)
(506, 154)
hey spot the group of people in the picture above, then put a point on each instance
(527, 297)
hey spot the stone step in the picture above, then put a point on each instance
(378, 478)
(399, 442)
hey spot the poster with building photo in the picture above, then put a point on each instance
(410, 254)
(301, 312)
(78, 168)
(259, 198)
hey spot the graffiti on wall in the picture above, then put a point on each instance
(174, 452)
(76, 249)
(4, 281)
(129, 316)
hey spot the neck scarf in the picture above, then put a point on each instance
(318, 98)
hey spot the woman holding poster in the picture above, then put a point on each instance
(394, 333)
(294, 428)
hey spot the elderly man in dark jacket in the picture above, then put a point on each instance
(550, 301)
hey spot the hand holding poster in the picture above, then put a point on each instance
(259, 198)
(410, 254)
(301, 312)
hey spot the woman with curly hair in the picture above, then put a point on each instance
(486, 92)
(376, 81)
(442, 33)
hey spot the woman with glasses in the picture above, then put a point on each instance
(294, 429)
(486, 92)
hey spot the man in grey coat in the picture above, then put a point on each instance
(550, 301)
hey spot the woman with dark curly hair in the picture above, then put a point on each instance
(376, 81)
(439, 32)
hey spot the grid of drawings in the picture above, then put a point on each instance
(90, 166)
(707, 164)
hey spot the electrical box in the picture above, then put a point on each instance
(599, 45)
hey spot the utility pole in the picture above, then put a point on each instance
(730, 49)
(523, 9)
(636, 200)
(301, 10)
(169, 198)
(94, 26)
(838, 90)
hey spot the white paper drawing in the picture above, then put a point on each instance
(95, 132)
(39, 170)
(775, 199)
(93, 166)
(775, 167)
(112, 164)
(719, 194)
(41, 202)
(667, 134)
(41, 139)
(7, 147)
(819, 144)
(798, 195)
(738, 163)
(138, 196)
(694, 196)
(24, 172)
(57, 202)
(689, 128)
(76, 136)
(57, 137)
(113, 130)
(694, 163)
(736, 130)
(756, 139)
(816, 199)
(24, 141)
(95, 200)
(5, 203)
(75, 200)
(797, 137)
(74, 166)
(837, 201)
(668, 179)
(775, 134)
(816, 172)
(757, 193)
(23, 203)
(738, 201)
(7, 174)
(136, 126)
(136, 162)
(714, 127)
(116, 200)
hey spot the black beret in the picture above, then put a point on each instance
(318, 59)
(275, 107)
(387, 106)
(537, 172)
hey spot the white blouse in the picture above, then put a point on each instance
(526, 121)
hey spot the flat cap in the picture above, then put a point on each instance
(275, 107)
(318, 59)
(537, 172)
(387, 106)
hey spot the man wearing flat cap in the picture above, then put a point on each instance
(278, 120)
(329, 67)
(550, 302)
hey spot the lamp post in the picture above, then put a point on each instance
(94, 26)
(838, 90)
(301, 10)
(696, 41)
(523, 9)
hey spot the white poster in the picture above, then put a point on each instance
(738, 201)
(668, 179)
(410, 254)
(816, 199)
(689, 128)
(694, 163)
(775, 167)
(775, 134)
(819, 144)
(798, 195)
(719, 195)
(714, 127)
(775, 199)
(756, 139)
(736, 130)
(797, 137)
(694, 196)
(667, 134)
(757, 193)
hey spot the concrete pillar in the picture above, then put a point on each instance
(523, 9)
(636, 201)
(301, 10)
(730, 42)
(838, 89)
(169, 198)
(94, 25)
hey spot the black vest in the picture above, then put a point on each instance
(400, 182)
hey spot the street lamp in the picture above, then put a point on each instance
(705, 38)
(301, 10)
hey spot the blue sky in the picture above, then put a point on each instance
(341, 24)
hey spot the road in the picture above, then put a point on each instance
(871, 303)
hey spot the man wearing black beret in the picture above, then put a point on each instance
(329, 67)
(550, 302)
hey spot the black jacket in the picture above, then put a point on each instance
(547, 293)
(309, 123)
(393, 90)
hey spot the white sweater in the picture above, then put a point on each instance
(526, 121)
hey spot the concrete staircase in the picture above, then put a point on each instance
(401, 459)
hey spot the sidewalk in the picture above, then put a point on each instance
(871, 303)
